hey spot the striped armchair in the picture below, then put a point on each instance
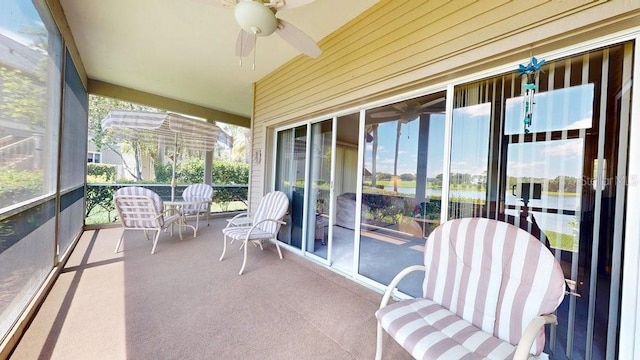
(198, 192)
(263, 225)
(142, 209)
(489, 289)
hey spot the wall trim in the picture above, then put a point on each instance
(102, 88)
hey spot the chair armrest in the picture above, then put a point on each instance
(263, 221)
(530, 333)
(394, 283)
(172, 210)
(230, 221)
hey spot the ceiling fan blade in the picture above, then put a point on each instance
(298, 39)
(432, 102)
(245, 42)
(289, 4)
(385, 114)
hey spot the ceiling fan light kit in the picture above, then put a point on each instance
(258, 18)
(255, 18)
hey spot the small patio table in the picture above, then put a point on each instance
(179, 205)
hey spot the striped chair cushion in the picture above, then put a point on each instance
(493, 275)
(240, 233)
(133, 213)
(197, 192)
(427, 330)
(140, 191)
(273, 205)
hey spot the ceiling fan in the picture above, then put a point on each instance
(258, 18)
(409, 110)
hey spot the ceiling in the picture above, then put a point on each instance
(184, 49)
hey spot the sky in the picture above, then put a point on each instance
(16, 16)
(407, 153)
(562, 109)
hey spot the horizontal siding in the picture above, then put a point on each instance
(393, 38)
(257, 168)
(399, 45)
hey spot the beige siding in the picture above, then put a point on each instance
(258, 160)
(399, 45)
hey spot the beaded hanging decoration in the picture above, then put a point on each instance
(529, 89)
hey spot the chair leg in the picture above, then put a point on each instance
(224, 247)
(278, 247)
(244, 261)
(155, 241)
(379, 343)
(119, 241)
(208, 213)
(179, 231)
(197, 224)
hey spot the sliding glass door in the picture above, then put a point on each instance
(401, 188)
(290, 177)
(320, 188)
(556, 168)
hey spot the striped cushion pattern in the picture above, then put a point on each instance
(197, 192)
(143, 212)
(427, 330)
(493, 275)
(273, 205)
(240, 233)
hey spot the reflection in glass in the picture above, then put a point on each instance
(571, 155)
(290, 173)
(345, 187)
(30, 87)
(562, 109)
(319, 192)
(28, 108)
(557, 166)
(469, 160)
(401, 188)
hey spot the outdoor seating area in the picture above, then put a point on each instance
(142, 209)
(183, 304)
(389, 180)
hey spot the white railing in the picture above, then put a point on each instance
(14, 153)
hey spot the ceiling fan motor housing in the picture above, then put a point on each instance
(255, 18)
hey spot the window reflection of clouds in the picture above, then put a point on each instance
(470, 142)
(17, 18)
(561, 109)
(535, 159)
(408, 146)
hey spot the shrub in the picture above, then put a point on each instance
(101, 172)
(100, 197)
(230, 173)
(18, 186)
(163, 172)
(192, 172)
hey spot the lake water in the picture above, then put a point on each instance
(554, 222)
(546, 201)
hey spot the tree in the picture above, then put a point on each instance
(23, 94)
(99, 107)
(407, 177)
(241, 137)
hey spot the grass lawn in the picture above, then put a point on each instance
(561, 241)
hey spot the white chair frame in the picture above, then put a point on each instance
(242, 227)
(139, 212)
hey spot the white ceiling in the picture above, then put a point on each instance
(184, 49)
